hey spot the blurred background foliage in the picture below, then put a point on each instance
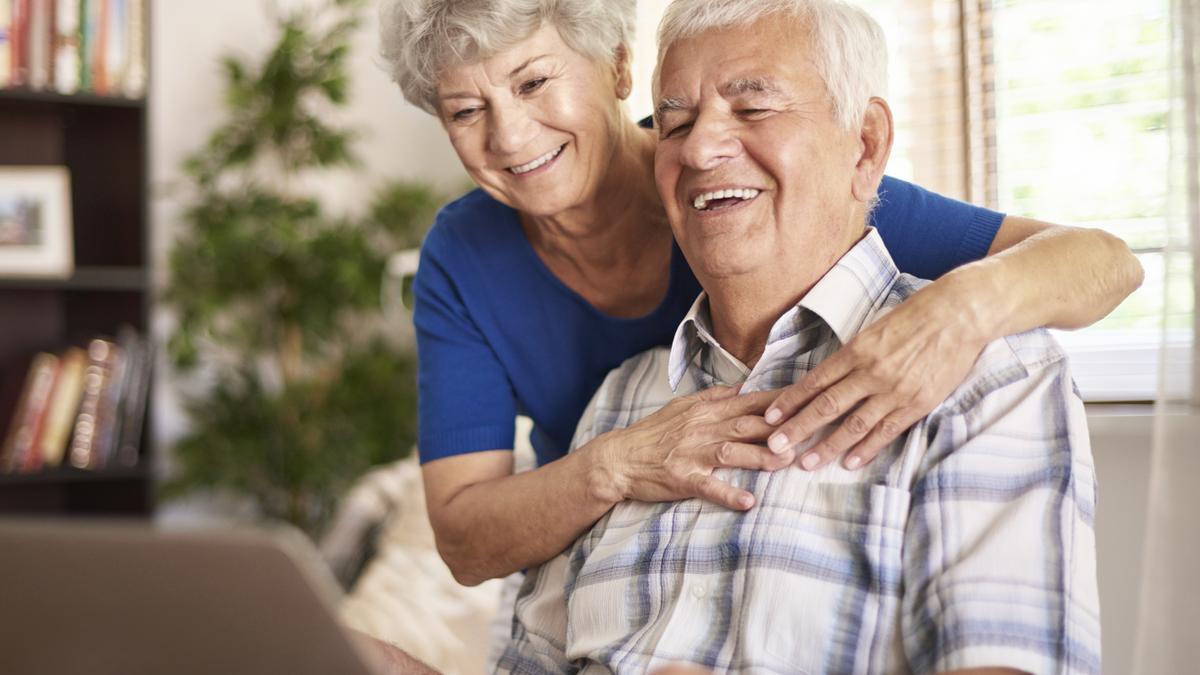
(277, 300)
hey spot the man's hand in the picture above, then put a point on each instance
(883, 381)
(672, 454)
(386, 658)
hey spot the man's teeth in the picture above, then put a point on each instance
(744, 194)
(526, 168)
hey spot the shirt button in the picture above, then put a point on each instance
(698, 591)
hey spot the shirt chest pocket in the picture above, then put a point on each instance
(826, 596)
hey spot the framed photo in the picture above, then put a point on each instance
(35, 222)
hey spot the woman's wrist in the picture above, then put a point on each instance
(988, 304)
(601, 468)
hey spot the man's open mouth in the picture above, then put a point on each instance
(716, 200)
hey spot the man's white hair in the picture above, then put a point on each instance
(848, 46)
(419, 39)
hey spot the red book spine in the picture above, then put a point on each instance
(51, 38)
(20, 35)
(100, 79)
(30, 413)
(33, 454)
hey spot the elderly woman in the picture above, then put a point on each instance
(562, 265)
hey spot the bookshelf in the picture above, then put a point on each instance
(103, 143)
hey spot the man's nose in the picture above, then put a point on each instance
(513, 128)
(709, 143)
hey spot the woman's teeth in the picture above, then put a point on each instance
(526, 168)
(744, 194)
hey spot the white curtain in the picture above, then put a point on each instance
(1168, 632)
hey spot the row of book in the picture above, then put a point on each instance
(82, 407)
(71, 46)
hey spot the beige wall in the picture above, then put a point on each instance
(1121, 442)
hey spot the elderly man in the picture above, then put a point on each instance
(967, 545)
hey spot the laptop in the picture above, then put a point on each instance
(89, 598)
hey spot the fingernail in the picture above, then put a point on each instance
(810, 460)
(777, 443)
(853, 462)
(745, 501)
(773, 416)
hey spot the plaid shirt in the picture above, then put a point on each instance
(968, 542)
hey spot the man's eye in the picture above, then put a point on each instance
(677, 130)
(753, 112)
(464, 114)
(533, 85)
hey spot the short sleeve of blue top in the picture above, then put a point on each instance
(499, 335)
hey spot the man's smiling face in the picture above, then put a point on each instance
(752, 167)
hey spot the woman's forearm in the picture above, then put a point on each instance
(1061, 277)
(495, 527)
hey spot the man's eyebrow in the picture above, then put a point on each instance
(736, 87)
(671, 104)
(750, 85)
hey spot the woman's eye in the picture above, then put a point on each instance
(753, 112)
(533, 85)
(464, 114)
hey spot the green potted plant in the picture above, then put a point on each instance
(278, 299)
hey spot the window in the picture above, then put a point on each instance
(1082, 95)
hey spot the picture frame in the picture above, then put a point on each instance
(35, 223)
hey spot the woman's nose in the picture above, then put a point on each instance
(513, 129)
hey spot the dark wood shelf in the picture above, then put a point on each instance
(127, 493)
(91, 278)
(71, 475)
(83, 99)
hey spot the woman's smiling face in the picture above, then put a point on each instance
(535, 126)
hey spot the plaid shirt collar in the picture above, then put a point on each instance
(852, 290)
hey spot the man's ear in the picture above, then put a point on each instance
(624, 72)
(875, 141)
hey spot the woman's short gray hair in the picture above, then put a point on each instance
(849, 48)
(421, 38)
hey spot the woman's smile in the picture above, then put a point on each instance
(540, 165)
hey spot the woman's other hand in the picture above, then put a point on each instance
(884, 380)
(901, 367)
(672, 454)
